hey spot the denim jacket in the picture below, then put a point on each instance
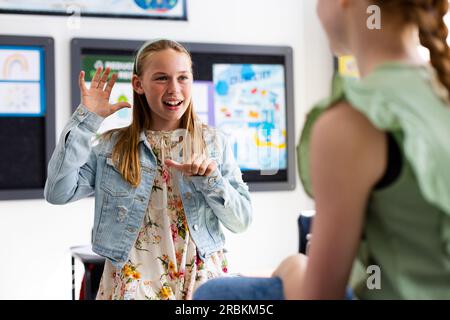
(77, 170)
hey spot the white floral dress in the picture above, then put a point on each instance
(163, 263)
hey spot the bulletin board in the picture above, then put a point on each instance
(27, 115)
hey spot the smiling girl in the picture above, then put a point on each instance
(161, 185)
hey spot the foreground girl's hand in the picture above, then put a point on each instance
(200, 166)
(96, 98)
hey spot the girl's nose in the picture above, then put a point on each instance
(173, 86)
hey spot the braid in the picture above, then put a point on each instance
(428, 15)
(433, 35)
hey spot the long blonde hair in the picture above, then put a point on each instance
(428, 16)
(125, 153)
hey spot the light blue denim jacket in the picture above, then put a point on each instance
(77, 170)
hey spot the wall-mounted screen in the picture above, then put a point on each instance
(250, 105)
(246, 91)
(27, 129)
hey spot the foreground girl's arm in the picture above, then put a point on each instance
(348, 157)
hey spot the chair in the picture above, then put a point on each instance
(304, 229)
(93, 270)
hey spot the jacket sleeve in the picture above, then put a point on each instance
(226, 193)
(72, 167)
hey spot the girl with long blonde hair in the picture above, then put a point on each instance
(162, 185)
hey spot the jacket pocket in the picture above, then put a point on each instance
(112, 181)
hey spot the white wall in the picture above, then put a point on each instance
(35, 236)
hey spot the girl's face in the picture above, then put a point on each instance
(166, 81)
(331, 15)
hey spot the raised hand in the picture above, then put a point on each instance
(200, 166)
(96, 98)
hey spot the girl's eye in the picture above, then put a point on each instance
(163, 78)
(183, 78)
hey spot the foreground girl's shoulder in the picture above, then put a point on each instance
(344, 139)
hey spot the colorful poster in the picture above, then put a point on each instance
(168, 9)
(250, 105)
(21, 81)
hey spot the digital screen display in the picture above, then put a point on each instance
(22, 82)
(245, 92)
(250, 106)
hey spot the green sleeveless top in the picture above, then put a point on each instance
(407, 224)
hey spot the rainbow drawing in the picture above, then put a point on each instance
(13, 60)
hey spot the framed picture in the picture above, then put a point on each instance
(139, 9)
(27, 115)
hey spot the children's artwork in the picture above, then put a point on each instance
(250, 105)
(152, 9)
(21, 81)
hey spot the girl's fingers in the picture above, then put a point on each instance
(185, 168)
(196, 163)
(96, 78)
(110, 84)
(211, 167)
(120, 105)
(82, 83)
(199, 167)
(203, 167)
(104, 78)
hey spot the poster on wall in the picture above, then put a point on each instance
(140, 9)
(21, 81)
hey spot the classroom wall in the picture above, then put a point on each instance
(35, 236)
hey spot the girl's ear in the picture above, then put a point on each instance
(137, 84)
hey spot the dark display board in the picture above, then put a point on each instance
(27, 115)
(245, 90)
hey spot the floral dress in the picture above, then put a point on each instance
(163, 263)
